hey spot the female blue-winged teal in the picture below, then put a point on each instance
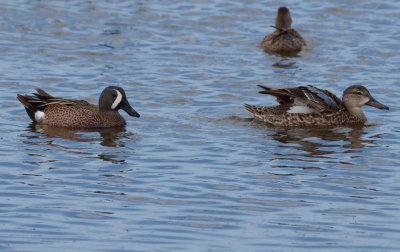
(284, 38)
(54, 111)
(311, 106)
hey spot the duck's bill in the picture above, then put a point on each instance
(374, 103)
(128, 109)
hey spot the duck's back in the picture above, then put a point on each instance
(277, 41)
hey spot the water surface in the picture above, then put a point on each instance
(196, 172)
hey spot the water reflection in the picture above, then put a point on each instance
(309, 139)
(306, 148)
(285, 54)
(108, 136)
(285, 63)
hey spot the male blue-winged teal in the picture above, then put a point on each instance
(311, 106)
(54, 111)
(284, 38)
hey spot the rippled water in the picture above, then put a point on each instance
(196, 172)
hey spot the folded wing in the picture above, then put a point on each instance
(304, 99)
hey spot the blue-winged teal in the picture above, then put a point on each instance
(53, 111)
(284, 38)
(311, 106)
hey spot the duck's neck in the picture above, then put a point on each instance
(283, 22)
(357, 113)
(282, 27)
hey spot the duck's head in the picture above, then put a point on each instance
(283, 21)
(113, 98)
(354, 97)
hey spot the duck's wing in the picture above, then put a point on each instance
(304, 99)
(297, 35)
(43, 98)
(291, 33)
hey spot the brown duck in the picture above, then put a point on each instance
(54, 111)
(308, 106)
(284, 38)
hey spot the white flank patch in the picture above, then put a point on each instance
(39, 116)
(117, 100)
(298, 109)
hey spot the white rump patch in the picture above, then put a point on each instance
(39, 116)
(301, 109)
(117, 100)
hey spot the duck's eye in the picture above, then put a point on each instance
(359, 93)
(114, 95)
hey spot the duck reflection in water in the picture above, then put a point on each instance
(319, 142)
(108, 136)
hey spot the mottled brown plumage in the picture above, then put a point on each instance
(284, 38)
(54, 111)
(310, 106)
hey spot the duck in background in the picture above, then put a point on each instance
(284, 38)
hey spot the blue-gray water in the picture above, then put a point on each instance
(195, 172)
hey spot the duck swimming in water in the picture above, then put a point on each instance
(44, 108)
(284, 38)
(308, 106)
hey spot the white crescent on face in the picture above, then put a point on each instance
(117, 100)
